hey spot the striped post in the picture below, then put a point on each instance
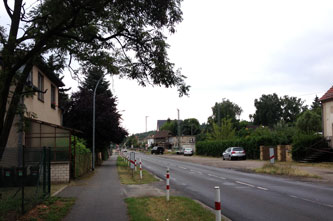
(168, 184)
(217, 204)
(140, 169)
(271, 155)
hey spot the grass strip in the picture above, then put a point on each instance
(53, 209)
(287, 170)
(126, 177)
(157, 208)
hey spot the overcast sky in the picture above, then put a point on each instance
(237, 50)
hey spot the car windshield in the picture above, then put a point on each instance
(237, 149)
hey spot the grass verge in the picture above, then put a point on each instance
(276, 169)
(126, 177)
(53, 209)
(157, 208)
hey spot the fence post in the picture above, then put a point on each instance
(167, 184)
(140, 169)
(44, 171)
(217, 204)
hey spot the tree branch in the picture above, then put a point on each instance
(8, 9)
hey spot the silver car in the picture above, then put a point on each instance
(188, 151)
(234, 153)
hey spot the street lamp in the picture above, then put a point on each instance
(94, 110)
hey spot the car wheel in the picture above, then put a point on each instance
(223, 158)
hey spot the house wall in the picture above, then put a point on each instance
(328, 120)
(43, 109)
(185, 141)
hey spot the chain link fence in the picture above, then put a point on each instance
(25, 180)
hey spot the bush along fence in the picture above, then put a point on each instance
(250, 144)
(302, 146)
(25, 180)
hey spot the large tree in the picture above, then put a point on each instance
(190, 126)
(78, 112)
(268, 110)
(122, 37)
(292, 107)
(225, 110)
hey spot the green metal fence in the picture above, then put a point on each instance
(24, 180)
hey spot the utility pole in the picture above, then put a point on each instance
(178, 129)
(146, 123)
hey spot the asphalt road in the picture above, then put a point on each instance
(246, 196)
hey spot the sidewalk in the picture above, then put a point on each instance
(99, 197)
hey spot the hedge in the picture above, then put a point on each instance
(250, 144)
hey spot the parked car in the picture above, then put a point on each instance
(180, 151)
(157, 150)
(234, 153)
(188, 151)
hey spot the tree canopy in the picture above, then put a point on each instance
(124, 38)
(271, 109)
(78, 113)
(225, 110)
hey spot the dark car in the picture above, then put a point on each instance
(157, 150)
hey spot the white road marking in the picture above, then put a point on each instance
(246, 184)
(182, 168)
(262, 188)
(216, 176)
(311, 201)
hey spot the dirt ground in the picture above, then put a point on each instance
(326, 174)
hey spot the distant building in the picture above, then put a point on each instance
(160, 123)
(327, 115)
(185, 141)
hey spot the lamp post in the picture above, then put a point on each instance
(94, 110)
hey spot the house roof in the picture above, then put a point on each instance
(162, 134)
(40, 63)
(327, 96)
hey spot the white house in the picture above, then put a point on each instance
(327, 115)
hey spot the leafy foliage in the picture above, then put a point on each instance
(270, 109)
(225, 110)
(124, 38)
(79, 114)
(309, 122)
(190, 126)
(223, 132)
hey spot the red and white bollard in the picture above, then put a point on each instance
(217, 204)
(135, 165)
(271, 155)
(140, 169)
(168, 184)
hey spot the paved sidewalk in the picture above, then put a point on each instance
(99, 197)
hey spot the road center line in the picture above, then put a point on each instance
(246, 184)
(262, 188)
(311, 201)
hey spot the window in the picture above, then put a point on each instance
(53, 97)
(40, 86)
